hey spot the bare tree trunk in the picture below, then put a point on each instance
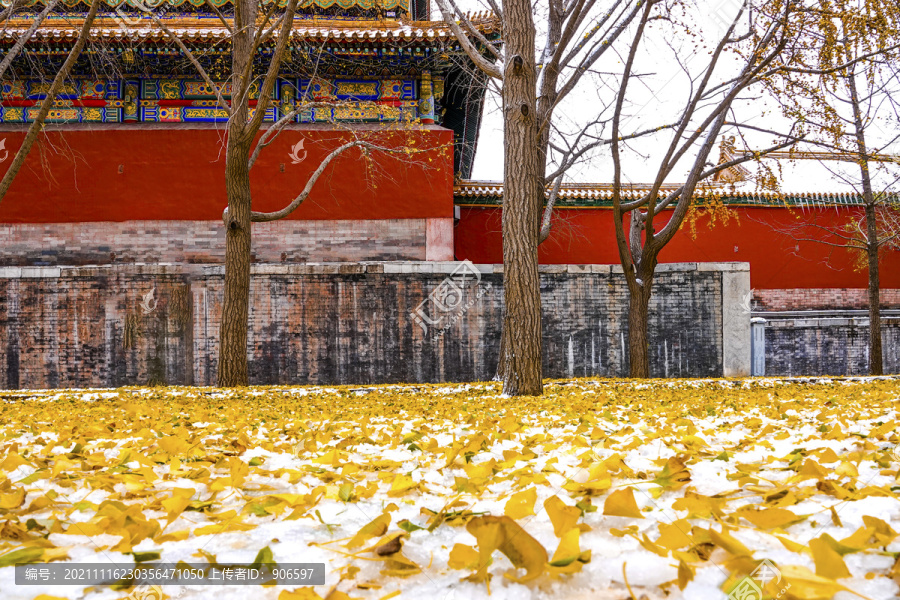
(232, 366)
(522, 195)
(876, 362)
(38, 124)
(638, 325)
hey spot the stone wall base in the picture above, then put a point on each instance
(355, 323)
(203, 242)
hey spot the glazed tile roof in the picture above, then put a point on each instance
(221, 3)
(490, 193)
(192, 28)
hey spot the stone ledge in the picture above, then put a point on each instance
(720, 266)
(678, 267)
(391, 267)
(822, 322)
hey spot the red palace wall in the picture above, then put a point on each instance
(586, 236)
(125, 173)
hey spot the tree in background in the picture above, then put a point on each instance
(537, 153)
(59, 78)
(736, 62)
(253, 25)
(844, 86)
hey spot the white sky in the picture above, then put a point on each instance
(654, 99)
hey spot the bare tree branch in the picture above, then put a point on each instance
(38, 124)
(624, 253)
(25, 37)
(468, 47)
(477, 34)
(268, 85)
(548, 210)
(219, 14)
(261, 217)
(193, 59)
(272, 131)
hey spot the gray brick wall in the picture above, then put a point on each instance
(827, 346)
(339, 323)
(99, 243)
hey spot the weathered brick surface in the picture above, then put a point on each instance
(820, 299)
(828, 346)
(334, 324)
(204, 242)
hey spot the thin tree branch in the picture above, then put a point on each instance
(621, 243)
(272, 132)
(274, 66)
(221, 16)
(193, 59)
(261, 217)
(38, 124)
(468, 47)
(25, 37)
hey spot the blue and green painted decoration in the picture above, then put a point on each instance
(156, 100)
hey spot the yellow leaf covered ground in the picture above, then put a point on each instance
(675, 489)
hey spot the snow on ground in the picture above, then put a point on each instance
(672, 488)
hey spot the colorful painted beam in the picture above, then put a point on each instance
(165, 100)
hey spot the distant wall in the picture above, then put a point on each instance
(352, 323)
(145, 172)
(755, 235)
(822, 299)
(51, 244)
(827, 345)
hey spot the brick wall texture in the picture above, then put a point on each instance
(828, 346)
(351, 323)
(100, 243)
(820, 299)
